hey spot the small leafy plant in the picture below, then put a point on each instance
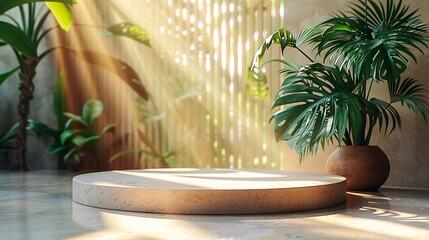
(78, 137)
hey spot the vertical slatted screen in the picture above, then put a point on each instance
(195, 73)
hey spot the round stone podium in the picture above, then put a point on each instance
(209, 191)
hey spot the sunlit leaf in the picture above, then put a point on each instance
(410, 94)
(257, 84)
(92, 109)
(62, 14)
(130, 30)
(67, 135)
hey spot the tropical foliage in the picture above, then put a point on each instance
(6, 138)
(77, 137)
(24, 33)
(372, 43)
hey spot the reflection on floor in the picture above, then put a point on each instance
(38, 205)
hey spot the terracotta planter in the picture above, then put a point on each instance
(366, 168)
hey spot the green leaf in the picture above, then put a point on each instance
(8, 135)
(41, 128)
(71, 153)
(257, 84)
(317, 103)
(92, 109)
(410, 94)
(62, 14)
(130, 30)
(379, 49)
(59, 101)
(58, 149)
(17, 39)
(356, 122)
(67, 135)
(76, 118)
(109, 128)
(6, 5)
(80, 141)
(7, 74)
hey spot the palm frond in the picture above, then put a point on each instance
(410, 94)
(376, 41)
(317, 105)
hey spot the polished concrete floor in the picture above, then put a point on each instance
(38, 205)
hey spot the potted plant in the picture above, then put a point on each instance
(333, 101)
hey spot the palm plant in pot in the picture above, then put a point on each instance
(318, 104)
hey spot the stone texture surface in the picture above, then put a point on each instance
(209, 191)
(38, 205)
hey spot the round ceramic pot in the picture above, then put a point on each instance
(366, 168)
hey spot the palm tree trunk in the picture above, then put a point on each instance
(26, 94)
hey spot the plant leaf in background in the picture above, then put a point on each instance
(129, 30)
(257, 84)
(147, 111)
(6, 75)
(62, 14)
(115, 66)
(6, 5)
(92, 109)
(411, 94)
(6, 138)
(59, 99)
(17, 39)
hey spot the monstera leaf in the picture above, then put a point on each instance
(257, 84)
